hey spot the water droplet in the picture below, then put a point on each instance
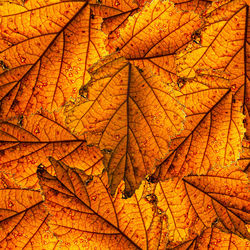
(117, 137)
(10, 204)
(117, 3)
(37, 130)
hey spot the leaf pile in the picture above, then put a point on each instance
(124, 124)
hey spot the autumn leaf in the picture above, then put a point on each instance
(244, 161)
(223, 45)
(23, 218)
(213, 129)
(144, 147)
(26, 143)
(212, 238)
(219, 198)
(128, 111)
(44, 63)
(198, 6)
(115, 14)
(84, 214)
(152, 37)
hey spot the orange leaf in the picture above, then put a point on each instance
(244, 161)
(23, 218)
(221, 196)
(129, 112)
(26, 143)
(198, 6)
(115, 14)
(212, 238)
(84, 214)
(153, 36)
(44, 59)
(213, 129)
(224, 45)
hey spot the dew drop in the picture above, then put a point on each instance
(10, 204)
(117, 3)
(93, 198)
(117, 137)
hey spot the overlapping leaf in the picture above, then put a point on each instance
(244, 161)
(26, 143)
(213, 129)
(131, 111)
(115, 14)
(198, 6)
(200, 198)
(45, 54)
(152, 37)
(86, 216)
(220, 197)
(223, 45)
(23, 218)
(212, 238)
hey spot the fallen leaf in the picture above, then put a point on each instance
(198, 201)
(152, 37)
(198, 6)
(129, 112)
(115, 14)
(83, 214)
(45, 59)
(23, 218)
(244, 161)
(223, 46)
(213, 129)
(212, 238)
(26, 143)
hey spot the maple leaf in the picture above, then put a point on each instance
(29, 141)
(44, 63)
(213, 129)
(23, 209)
(152, 37)
(130, 110)
(84, 214)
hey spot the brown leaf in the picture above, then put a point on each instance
(212, 238)
(198, 6)
(224, 46)
(115, 14)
